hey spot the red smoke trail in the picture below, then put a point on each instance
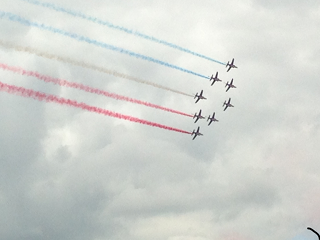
(63, 101)
(66, 83)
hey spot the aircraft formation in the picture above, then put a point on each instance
(226, 104)
(41, 96)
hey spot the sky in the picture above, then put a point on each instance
(68, 173)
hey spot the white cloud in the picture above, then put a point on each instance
(71, 174)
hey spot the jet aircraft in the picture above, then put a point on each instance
(198, 116)
(231, 65)
(227, 104)
(230, 85)
(215, 79)
(200, 96)
(212, 119)
(196, 133)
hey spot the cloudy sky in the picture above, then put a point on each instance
(66, 173)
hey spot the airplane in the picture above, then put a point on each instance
(227, 104)
(309, 228)
(199, 96)
(198, 116)
(231, 65)
(230, 85)
(212, 119)
(215, 79)
(196, 133)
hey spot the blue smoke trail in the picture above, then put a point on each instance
(16, 18)
(110, 25)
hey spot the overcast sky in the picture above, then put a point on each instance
(66, 173)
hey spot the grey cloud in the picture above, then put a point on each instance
(71, 174)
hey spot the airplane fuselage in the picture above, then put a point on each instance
(231, 65)
(227, 104)
(213, 120)
(198, 117)
(229, 85)
(215, 80)
(199, 97)
(196, 133)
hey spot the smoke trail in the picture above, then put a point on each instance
(63, 101)
(16, 18)
(110, 25)
(85, 88)
(86, 65)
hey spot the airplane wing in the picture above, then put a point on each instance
(228, 87)
(210, 121)
(216, 75)
(229, 100)
(198, 100)
(200, 112)
(194, 137)
(231, 81)
(196, 120)
(232, 61)
(198, 129)
(225, 107)
(201, 92)
(229, 68)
